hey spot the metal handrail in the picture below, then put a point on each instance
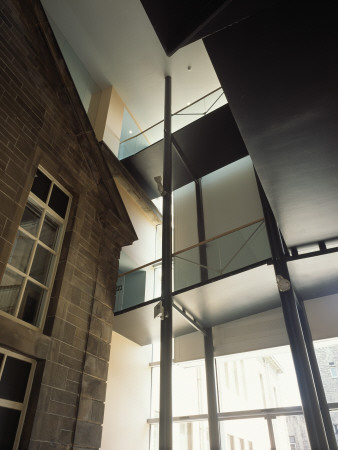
(176, 113)
(206, 241)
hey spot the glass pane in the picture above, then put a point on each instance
(251, 434)
(59, 201)
(191, 435)
(32, 302)
(41, 185)
(49, 232)
(9, 420)
(9, 291)
(327, 357)
(189, 393)
(14, 379)
(21, 251)
(31, 219)
(186, 436)
(257, 380)
(41, 264)
(290, 433)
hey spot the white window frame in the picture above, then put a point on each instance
(17, 405)
(62, 222)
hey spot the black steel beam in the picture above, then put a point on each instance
(165, 431)
(193, 322)
(316, 376)
(312, 412)
(214, 435)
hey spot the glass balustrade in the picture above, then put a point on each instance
(180, 119)
(225, 254)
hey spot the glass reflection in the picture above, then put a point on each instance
(31, 219)
(41, 264)
(9, 291)
(21, 252)
(49, 232)
(31, 303)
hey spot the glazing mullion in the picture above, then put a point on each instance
(30, 261)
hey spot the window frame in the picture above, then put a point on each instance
(18, 406)
(46, 211)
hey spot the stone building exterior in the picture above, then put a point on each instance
(44, 131)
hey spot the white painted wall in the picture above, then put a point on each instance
(186, 271)
(84, 83)
(141, 251)
(230, 198)
(185, 217)
(260, 331)
(127, 405)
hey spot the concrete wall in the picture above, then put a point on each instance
(127, 405)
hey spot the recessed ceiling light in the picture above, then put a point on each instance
(188, 103)
(130, 131)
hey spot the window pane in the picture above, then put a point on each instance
(41, 264)
(186, 436)
(41, 185)
(21, 251)
(290, 432)
(327, 357)
(49, 232)
(31, 219)
(9, 420)
(250, 433)
(31, 305)
(257, 380)
(59, 201)
(9, 291)
(14, 379)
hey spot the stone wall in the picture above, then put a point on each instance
(43, 123)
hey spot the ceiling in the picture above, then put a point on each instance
(118, 46)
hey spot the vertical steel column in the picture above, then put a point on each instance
(165, 438)
(214, 436)
(201, 230)
(311, 409)
(317, 377)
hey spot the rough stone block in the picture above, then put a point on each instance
(55, 375)
(101, 329)
(98, 348)
(93, 388)
(91, 410)
(96, 367)
(88, 435)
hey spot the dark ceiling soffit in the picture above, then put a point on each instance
(279, 73)
(206, 145)
(178, 23)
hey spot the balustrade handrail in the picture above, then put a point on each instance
(174, 114)
(191, 247)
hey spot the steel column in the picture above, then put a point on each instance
(271, 433)
(317, 377)
(201, 230)
(311, 409)
(165, 432)
(214, 436)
